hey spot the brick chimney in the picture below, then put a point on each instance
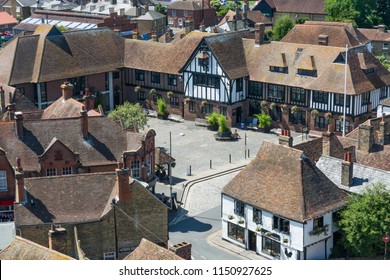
(383, 138)
(19, 124)
(188, 26)
(347, 170)
(122, 175)
(182, 249)
(19, 176)
(366, 138)
(285, 138)
(381, 28)
(154, 37)
(11, 111)
(89, 100)
(2, 99)
(327, 141)
(67, 91)
(58, 239)
(84, 122)
(259, 33)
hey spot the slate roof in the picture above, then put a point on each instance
(66, 199)
(363, 176)
(6, 18)
(26, 3)
(375, 34)
(49, 55)
(339, 34)
(104, 145)
(298, 6)
(69, 108)
(283, 181)
(24, 249)
(150, 15)
(330, 75)
(148, 250)
(188, 5)
(162, 158)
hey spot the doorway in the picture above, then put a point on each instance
(252, 241)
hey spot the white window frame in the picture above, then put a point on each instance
(135, 169)
(3, 180)
(51, 172)
(109, 256)
(173, 13)
(171, 21)
(67, 170)
(180, 22)
(385, 46)
(185, 13)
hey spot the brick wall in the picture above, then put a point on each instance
(5, 165)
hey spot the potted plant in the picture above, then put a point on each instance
(162, 112)
(264, 103)
(212, 120)
(272, 105)
(230, 217)
(223, 130)
(170, 93)
(153, 91)
(138, 89)
(314, 113)
(264, 121)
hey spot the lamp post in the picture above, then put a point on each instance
(113, 202)
(170, 170)
(345, 87)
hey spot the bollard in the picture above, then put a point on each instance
(249, 153)
(230, 158)
(211, 164)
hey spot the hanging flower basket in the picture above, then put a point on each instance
(329, 115)
(264, 103)
(170, 93)
(153, 91)
(204, 103)
(272, 105)
(314, 113)
(341, 118)
(284, 107)
(187, 100)
(138, 89)
(294, 109)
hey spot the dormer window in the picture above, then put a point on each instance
(278, 69)
(368, 71)
(203, 60)
(307, 72)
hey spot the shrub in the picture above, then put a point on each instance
(161, 107)
(264, 119)
(222, 124)
(212, 118)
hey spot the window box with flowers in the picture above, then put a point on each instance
(284, 107)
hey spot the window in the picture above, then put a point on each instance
(382, 94)
(270, 247)
(174, 13)
(172, 80)
(109, 256)
(140, 75)
(141, 95)
(174, 101)
(257, 216)
(276, 114)
(254, 107)
(185, 13)
(149, 164)
(320, 97)
(318, 223)
(3, 180)
(276, 92)
(281, 225)
(207, 109)
(236, 232)
(51, 172)
(135, 169)
(385, 46)
(115, 75)
(223, 110)
(171, 21)
(66, 170)
(305, 72)
(239, 208)
(43, 92)
(297, 95)
(298, 117)
(180, 22)
(321, 122)
(339, 125)
(278, 69)
(206, 81)
(339, 100)
(191, 106)
(256, 90)
(155, 77)
(240, 84)
(366, 98)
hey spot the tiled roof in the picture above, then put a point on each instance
(257, 16)
(363, 176)
(375, 34)
(105, 143)
(148, 250)
(299, 6)
(188, 5)
(283, 181)
(66, 199)
(48, 55)
(162, 157)
(339, 34)
(6, 18)
(24, 249)
(69, 108)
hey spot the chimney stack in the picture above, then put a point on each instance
(202, 27)
(235, 23)
(123, 183)
(188, 26)
(381, 28)
(11, 111)
(2, 99)
(327, 140)
(19, 176)
(347, 170)
(67, 91)
(285, 138)
(259, 33)
(383, 138)
(182, 249)
(58, 239)
(366, 138)
(154, 37)
(19, 124)
(84, 122)
(89, 100)
(135, 35)
(323, 40)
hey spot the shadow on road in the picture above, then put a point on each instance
(190, 224)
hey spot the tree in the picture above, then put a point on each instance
(384, 61)
(365, 220)
(161, 9)
(281, 27)
(340, 10)
(131, 115)
(222, 10)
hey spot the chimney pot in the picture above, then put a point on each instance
(259, 33)
(67, 90)
(285, 138)
(19, 124)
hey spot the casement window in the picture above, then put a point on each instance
(185, 13)
(240, 84)
(320, 97)
(139, 75)
(276, 114)
(191, 106)
(366, 98)
(207, 109)
(270, 246)
(278, 69)
(141, 95)
(149, 164)
(281, 225)
(382, 94)
(339, 100)
(51, 172)
(318, 223)
(223, 110)
(173, 13)
(135, 171)
(257, 216)
(206, 81)
(174, 101)
(109, 256)
(297, 95)
(115, 75)
(276, 92)
(255, 90)
(239, 208)
(339, 125)
(3, 180)
(236, 232)
(321, 122)
(368, 70)
(67, 170)
(171, 21)
(306, 72)
(155, 78)
(385, 46)
(298, 117)
(172, 80)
